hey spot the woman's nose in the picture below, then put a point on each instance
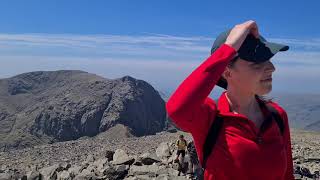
(270, 66)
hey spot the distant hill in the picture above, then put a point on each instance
(45, 107)
(303, 110)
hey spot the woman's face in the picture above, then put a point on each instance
(250, 77)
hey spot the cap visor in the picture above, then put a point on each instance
(275, 47)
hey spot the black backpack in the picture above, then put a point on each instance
(216, 127)
(191, 148)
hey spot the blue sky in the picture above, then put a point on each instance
(157, 41)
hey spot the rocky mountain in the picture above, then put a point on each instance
(46, 107)
(164, 95)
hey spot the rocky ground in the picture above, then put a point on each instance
(147, 157)
(306, 149)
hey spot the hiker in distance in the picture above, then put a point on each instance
(193, 163)
(242, 136)
(181, 144)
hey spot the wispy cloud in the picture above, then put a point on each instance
(162, 60)
(297, 58)
(302, 44)
(156, 45)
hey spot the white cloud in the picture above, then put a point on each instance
(142, 44)
(301, 45)
(162, 60)
(294, 58)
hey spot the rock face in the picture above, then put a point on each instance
(45, 107)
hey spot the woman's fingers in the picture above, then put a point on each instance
(239, 33)
(253, 28)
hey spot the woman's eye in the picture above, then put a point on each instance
(257, 66)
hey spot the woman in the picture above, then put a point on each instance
(246, 147)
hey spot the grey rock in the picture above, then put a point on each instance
(297, 176)
(163, 150)
(74, 170)
(124, 161)
(313, 159)
(118, 154)
(51, 171)
(5, 176)
(170, 177)
(91, 168)
(65, 166)
(33, 175)
(85, 175)
(115, 173)
(100, 163)
(148, 159)
(90, 158)
(151, 170)
(121, 157)
(169, 171)
(64, 175)
(138, 177)
(122, 167)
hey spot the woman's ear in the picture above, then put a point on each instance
(226, 73)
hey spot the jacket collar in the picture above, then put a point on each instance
(224, 107)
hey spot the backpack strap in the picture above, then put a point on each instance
(276, 116)
(185, 142)
(211, 139)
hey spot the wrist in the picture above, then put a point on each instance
(232, 45)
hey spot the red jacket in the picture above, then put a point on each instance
(236, 155)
